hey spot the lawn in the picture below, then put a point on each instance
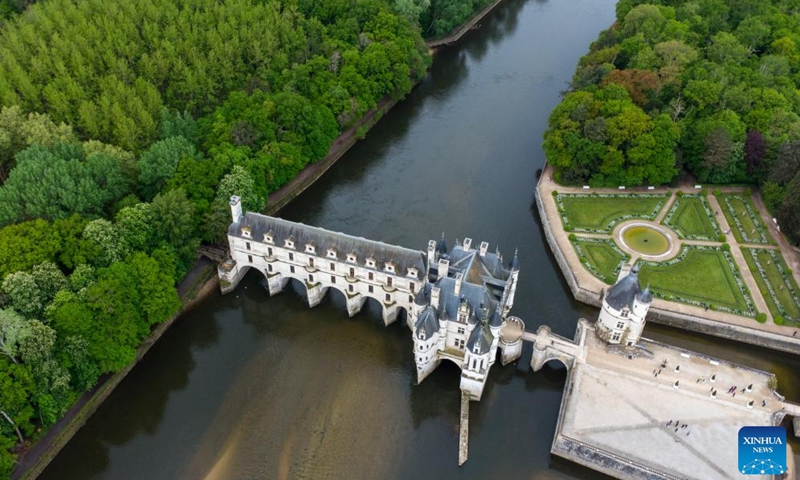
(599, 213)
(776, 283)
(691, 218)
(601, 257)
(744, 219)
(698, 276)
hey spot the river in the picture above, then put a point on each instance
(246, 386)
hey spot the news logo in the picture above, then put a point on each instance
(762, 450)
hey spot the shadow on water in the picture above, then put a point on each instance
(117, 421)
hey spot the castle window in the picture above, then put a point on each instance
(412, 286)
(412, 272)
(350, 288)
(421, 337)
(461, 330)
(411, 299)
(310, 248)
(389, 281)
(615, 337)
(269, 268)
(311, 262)
(269, 251)
(331, 253)
(333, 266)
(388, 297)
(371, 276)
(371, 289)
(333, 279)
(311, 279)
(291, 268)
(460, 344)
(351, 258)
(289, 243)
(247, 244)
(268, 237)
(371, 262)
(620, 325)
(352, 272)
(250, 258)
(624, 313)
(291, 257)
(246, 232)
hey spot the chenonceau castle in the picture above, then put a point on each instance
(457, 301)
(457, 304)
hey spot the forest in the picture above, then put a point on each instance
(705, 87)
(125, 127)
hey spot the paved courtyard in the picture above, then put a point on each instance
(619, 406)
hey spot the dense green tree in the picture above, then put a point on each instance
(159, 163)
(111, 242)
(135, 225)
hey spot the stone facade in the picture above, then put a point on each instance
(456, 300)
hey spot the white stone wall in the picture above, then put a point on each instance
(320, 271)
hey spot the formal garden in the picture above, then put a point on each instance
(703, 270)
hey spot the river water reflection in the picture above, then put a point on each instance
(248, 387)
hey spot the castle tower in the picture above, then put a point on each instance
(622, 315)
(426, 337)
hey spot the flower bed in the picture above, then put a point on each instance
(779, 289)
(600, 256)
(755, 231)
(697, 281)
(702, 226)
(600, 213)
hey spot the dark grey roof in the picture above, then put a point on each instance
(482, 337)
(322, 239)
(420, 298)
(496, 320)
(621, 295)
(427, 323)
(645, 296)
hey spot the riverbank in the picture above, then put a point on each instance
(587, 289)
(200, 282)
(463, 29)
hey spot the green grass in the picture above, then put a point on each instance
(601, 258)
(784, 288)
(752, 229)
(702, 277)
(689, 219)
(599, 213)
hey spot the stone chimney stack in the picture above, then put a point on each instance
(444, 267)
(236, 208)
(467, 244)
(459, 280)
(435, 298)
(484, 248)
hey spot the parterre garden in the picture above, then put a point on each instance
(705, 273)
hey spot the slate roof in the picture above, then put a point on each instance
(322, 240)
(427, 323)
(621, 295)
(482, 337)
(496, 321)
(645, 296)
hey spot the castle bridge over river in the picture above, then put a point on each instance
(623, 392)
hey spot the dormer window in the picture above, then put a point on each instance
(351, 257)
(422, 335)
(331, 253)
(371, 262)
(246, 233)
(390, 267)
(289, 242)
(269, 237)
(412, 272)
(476, 348)
(310, 248)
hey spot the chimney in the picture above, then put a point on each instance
(444, 267)
(435, 298)
(236, 208)
(467, 244)
(484, 248)
(459, 279)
